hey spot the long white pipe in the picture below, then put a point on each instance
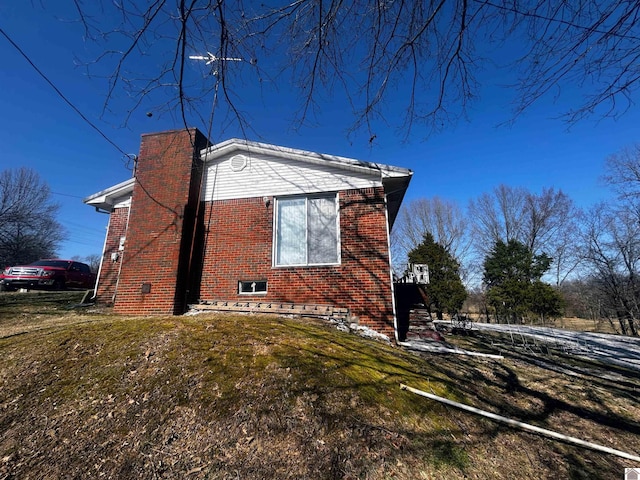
(524, 426)
(457, 351)
(104, 249)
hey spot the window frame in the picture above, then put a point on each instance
(254, 292)
(328, 195)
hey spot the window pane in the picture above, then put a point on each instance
(252, 286)
(291, 232)
(322, 230)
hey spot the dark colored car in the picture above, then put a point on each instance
(50, 274)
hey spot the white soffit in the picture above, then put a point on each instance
(116, 195)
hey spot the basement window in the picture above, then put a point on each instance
(250, 287)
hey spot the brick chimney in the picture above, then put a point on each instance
(162, 221)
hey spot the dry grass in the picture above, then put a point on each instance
(571, 323)
(87, 394)
(584, 325)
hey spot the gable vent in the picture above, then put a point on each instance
(239, 163)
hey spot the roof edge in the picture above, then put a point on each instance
(117, 190)
(219, 149)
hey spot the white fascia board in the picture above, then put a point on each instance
(220, 149)
(106, 198)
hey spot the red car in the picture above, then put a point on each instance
(53, 274)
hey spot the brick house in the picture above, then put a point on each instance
(242, 220)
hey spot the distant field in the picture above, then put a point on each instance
(570, 323)
(584, 325)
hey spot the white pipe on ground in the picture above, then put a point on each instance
(438, 349)
(524, 426)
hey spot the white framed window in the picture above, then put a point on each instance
(307, 231)
(250, 287)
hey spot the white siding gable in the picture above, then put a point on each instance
(229, 177)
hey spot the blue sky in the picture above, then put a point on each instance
(40, 131)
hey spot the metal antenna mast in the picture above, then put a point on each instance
(211, 58)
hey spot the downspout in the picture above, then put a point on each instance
(393, 293)
(393, 290)
(104, 249)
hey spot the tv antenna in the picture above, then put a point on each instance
(210, 58)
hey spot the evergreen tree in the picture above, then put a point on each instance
(545, 301)
(512, 275)
(445, 290)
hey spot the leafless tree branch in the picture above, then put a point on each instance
(429, 51)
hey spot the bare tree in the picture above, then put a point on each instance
(550, 225)
(28, 229)
(565, 249)
(93, 260)
(498, 216)
(611, 238)
(543, 222)
(611, 243)
(363, 51)
(622, 173)
(443, 219)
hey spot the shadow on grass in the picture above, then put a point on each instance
(291, 390)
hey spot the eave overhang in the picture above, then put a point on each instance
(108, 198)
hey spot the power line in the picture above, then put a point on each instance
(46, 79)
(92, 244)
(67, 195)
(85, 230)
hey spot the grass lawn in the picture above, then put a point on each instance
(85, 393)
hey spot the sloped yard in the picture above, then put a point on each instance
(88, 394)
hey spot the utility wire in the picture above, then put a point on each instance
(66, 195)
(46, 79)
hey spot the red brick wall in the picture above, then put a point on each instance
(157, 248)
(238, 246)
(109, 270)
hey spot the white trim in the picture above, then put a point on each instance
(274, 252)
(220, 149)
(338, 229)
(109, 197)
(124, 203)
